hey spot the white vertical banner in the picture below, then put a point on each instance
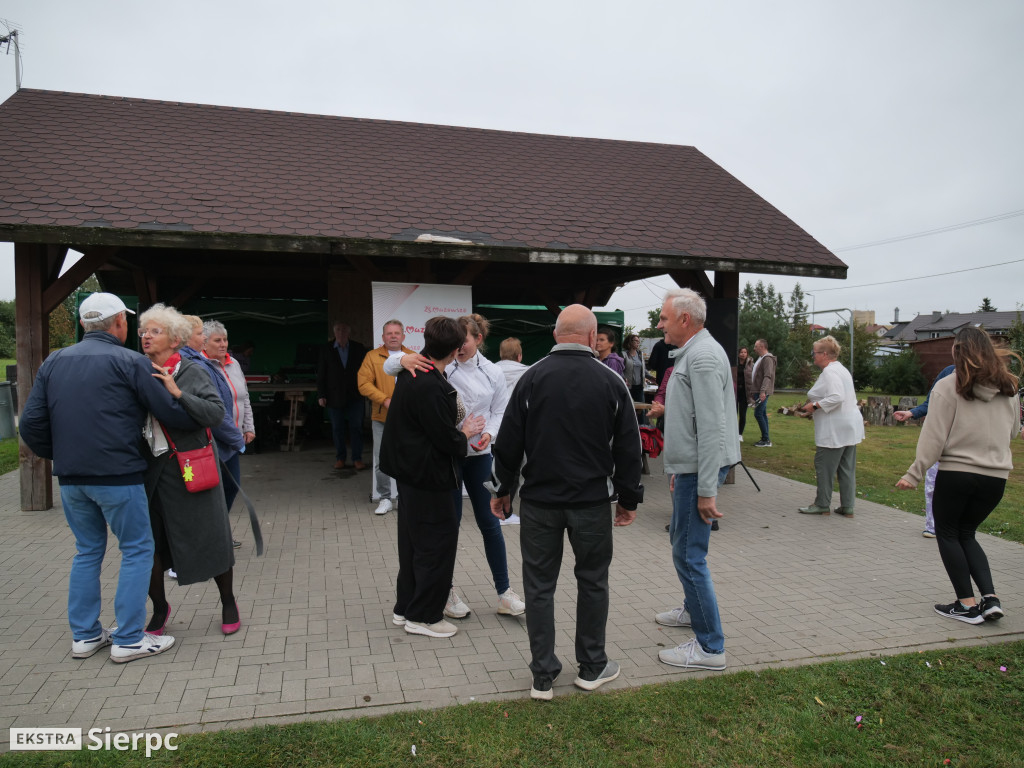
(415, 303)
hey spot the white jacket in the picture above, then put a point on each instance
(838, 422)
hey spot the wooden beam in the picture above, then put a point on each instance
(470, 273)
(364, 266)
(693, 279)
(30, 266)
(55, 255)
(727, 285)
(188, 292)
(59, 290)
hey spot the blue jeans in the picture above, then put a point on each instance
(474, 471)
(89, 509)
(690, 536)
(761, 416)
(353, 414)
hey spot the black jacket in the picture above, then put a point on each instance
(571, 418)
(421, 443)
(336, 382)
(87, 408)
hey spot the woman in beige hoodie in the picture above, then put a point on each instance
(972, 417)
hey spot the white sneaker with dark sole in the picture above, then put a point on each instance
(149, 645)
(438, 629)
(83, 649)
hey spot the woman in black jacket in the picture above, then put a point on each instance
(419, 449)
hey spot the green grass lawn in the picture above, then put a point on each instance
(921, 709)
(882, 458)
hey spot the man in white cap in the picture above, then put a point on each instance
(86, 412)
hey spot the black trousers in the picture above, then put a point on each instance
(428, 536)
(961, 503)
(741, 407)
(541, 536)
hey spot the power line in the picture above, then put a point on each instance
(937, 230)
(907, 279)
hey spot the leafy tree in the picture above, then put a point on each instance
(1015, 337)
(901, 374)
(986, 305)
(652, 332)
(864, 347)
(763, 315)
(7, 330)
(798, 306)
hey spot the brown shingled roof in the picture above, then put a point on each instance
(84, 161)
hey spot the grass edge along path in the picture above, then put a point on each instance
(955, 706)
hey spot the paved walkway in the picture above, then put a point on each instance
(317, 639)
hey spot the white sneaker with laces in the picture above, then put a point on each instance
(677, 617)
(691, 656)
(398, 620)
(438, 629)
(383, 508)
(149, 645)
(512, 519)
(83, 649)
(455, 608)
(510, 604)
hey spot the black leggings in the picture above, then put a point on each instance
(962, 502)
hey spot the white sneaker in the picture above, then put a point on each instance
(691, 656)
(398, 620)
(83, 649)
(455, 608)
(512, 519)
(510, 604)
(149, 645)
(171, 573)
(383, 508)
(741, 438)
(677, 617)
(438, 629)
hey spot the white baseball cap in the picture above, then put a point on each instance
(100, 306)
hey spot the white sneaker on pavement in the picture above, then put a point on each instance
(677, 617)
(690, 655)
(512, 519)
(83, 649)
(149, 645)
(510, 604)
(455, 608)
(438, 629)
(383, 508)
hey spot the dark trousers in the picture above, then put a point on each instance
(590, 535)
(961, 503)
(234, 468)
(428, 536)
(351, 414)
(741, 407)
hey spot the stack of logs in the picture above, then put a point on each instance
(877, 411)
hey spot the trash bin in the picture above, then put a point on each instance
(6, 410)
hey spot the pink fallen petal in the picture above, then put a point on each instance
(1002, 669)
(859, 718)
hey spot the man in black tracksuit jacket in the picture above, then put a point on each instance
(571, 419)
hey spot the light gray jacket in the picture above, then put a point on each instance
(700, 429)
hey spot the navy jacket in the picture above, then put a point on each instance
(86, 411)
(230, 439)
(338, 383)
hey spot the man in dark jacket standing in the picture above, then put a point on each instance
(86, 412)
(338, 388)
(572, 418)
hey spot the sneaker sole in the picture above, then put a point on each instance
(593, 685)
(453, 615)
(92, 652)
(509, 612)
(398, 621)
(670, 624)
(419, 629)
(993, 614)
(141, 654)
(547, 695)
(965, 619)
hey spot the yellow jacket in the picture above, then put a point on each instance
(374, 383)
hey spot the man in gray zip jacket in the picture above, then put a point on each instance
(701, 444)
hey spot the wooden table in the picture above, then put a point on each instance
(294, 394)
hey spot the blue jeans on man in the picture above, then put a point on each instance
(761, 416)
(89, 509)
(690, 537)
(351, 414)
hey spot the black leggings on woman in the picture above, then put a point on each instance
(962, 502)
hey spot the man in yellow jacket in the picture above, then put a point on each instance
(378, 387)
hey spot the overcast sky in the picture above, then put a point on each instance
(861, 121)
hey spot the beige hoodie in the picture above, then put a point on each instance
(966, 435)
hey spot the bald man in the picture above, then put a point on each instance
(571, 418)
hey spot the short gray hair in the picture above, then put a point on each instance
(392, 321)
(88, 326)
(177, 327)
(688, 301)
(211, 327)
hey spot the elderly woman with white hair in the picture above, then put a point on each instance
(240, 409)
(191, 530)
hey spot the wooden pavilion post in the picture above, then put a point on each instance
(32, 322)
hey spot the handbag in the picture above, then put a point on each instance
(199, 466)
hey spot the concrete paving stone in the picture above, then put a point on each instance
(317, 637)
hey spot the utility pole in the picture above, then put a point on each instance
(9, 38)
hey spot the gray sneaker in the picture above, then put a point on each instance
(591, 681)
(438, 629)
(677, 617)
(83, 649)
(691, 656)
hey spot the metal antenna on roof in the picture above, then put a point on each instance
(11, 36)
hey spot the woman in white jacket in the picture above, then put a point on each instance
(482, 389)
